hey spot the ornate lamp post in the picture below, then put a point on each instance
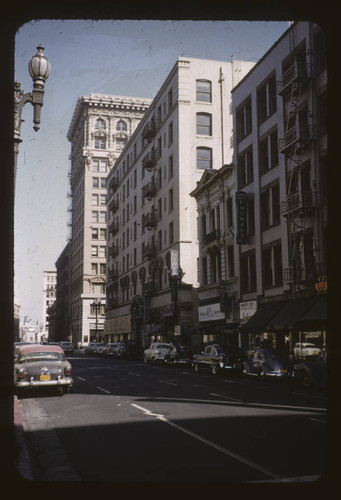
(174, 282)
(96, 305)
(39, 68)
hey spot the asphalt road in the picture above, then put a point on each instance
(125, 421)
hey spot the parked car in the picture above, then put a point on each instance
(266, 362)
(214, 358)
(304, 350)
(157, 352)
(109, 349)
(99, 349)
(42, 366)
(66, 346)
(312, 373)
(180, 355)
(89, 349)
(119, 350)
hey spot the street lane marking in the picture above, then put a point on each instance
(136, 374)
(166, 382)
(225, 397)
(316, 420)
(83, 379)
(101, 389)
(210, 443)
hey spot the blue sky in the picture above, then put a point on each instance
(125, 57)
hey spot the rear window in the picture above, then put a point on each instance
(30, 357)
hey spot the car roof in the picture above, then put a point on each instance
(38, 347)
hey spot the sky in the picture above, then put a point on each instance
(118, 57)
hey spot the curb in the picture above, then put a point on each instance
(22, 458)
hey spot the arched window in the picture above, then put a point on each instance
(121, 125)
(100, 124)
(204, 158)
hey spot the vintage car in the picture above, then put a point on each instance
(306, 350)
(157, 352)
(108, 350)
(216, 359)
(119, 350)
(66, 346)
(42, 366)
(92, 347)
(180, 355)
(312, 373)
(266, 362)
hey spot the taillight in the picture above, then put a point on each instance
(67, 371)
(21, 373)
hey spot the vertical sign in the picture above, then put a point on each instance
(174, 261)
(241, 202)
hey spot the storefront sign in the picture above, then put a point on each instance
(241, 202)
(247, 310)
(321, 287)
(211, 312)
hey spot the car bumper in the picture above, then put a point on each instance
(43, 383)
(279, 374)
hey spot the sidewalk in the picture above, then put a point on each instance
(22, 460)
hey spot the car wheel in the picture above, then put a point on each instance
(66, 389)
(214, 370)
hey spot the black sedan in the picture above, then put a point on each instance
(266, 362)
(180, 355)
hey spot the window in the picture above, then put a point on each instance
(229, 212)
(272, 265)
(102, 268)
(100, 124)
(251, 216)
(102, 251)
(204, 271)
(94, 199)
(103, 182)
(94, 233)
(100, 143)
(102, 233)
(230, 261)
(204, 124)
(248, 280)
(204, 158)
(170, 167)
(244, 120)
(103, 166)
(93, 268)
(171, 233)
(95, 182)
(204, 90)
(270, 207)
(170, 134)
(245, 168)
(121, 126)
(102, 199)
(94, 251)
(265, 209)
(170, 200)
(120, 144)
(268, 152)
(102, 217)
(266, 99)
(170, 99)
(94, 216)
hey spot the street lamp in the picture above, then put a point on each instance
(39, 69)
(175, 279)
(96, 305)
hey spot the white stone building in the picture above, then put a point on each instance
(100, 128)
(49, 298)
(280, 150)
(151, 215)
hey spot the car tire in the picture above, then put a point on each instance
(145, 360)
(214, 370)
(66, 389)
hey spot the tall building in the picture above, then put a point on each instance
(62, 304)
(49, 298)
(100, 128)
(280, 116)
(152, 219)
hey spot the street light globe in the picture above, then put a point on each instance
(39, 68)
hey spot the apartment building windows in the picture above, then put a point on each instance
(270, 206)
(203, 91)
(245, 168)
(100, 143)
(248, 277)
(204, 158)
(170, 99)
(170, 168)
(268, 152)
(121, 126)
(170, 233)
(266, 99)
(244, 120)
(94, 216)
(272, 265)
(99, 166)
(102, 216)
(100, 124)
(170, 134)
(170, 200)
(120, 143)
(229, 212)
(204, 124)
(230, 261)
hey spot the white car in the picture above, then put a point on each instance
(157, 352)
(306, 350)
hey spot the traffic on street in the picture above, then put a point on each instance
(131, 421)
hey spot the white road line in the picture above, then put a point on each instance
(225, 397)
(101, 389)
(166, 382)
(136, 374)
(83, 379)
(210, 443)
(316, 420)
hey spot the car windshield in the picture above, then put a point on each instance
(163, 346)
(41, 356)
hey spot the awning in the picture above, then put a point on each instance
(317, 315)
(259, 321)
(290, 313)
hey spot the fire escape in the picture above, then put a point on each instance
(298, 136)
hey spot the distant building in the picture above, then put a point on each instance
(49, 297)
(17, 306)
(62, 304)
(100, 128)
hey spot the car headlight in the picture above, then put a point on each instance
(67, 371)
(21, 373)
